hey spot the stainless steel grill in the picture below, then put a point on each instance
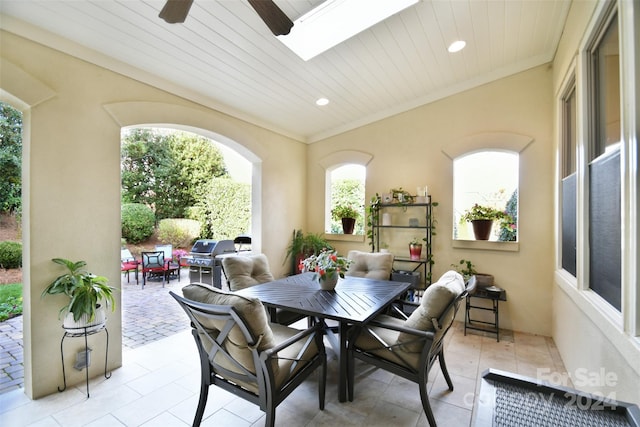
(204, 267)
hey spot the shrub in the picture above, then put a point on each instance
(179, 232)
(10, 254)
(138, 222)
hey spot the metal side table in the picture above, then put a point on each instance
(495, 295)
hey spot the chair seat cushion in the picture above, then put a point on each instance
(250, 310)
(376, 265)
(129, 265)
(246, 270)
(398, 355)
(435, 300)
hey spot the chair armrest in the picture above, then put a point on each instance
(292, 340)
(400, 328)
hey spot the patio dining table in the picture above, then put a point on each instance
(354, 301)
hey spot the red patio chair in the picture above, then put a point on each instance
(128, 264)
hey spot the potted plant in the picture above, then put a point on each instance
(328, 266)
(481, 218)
(303, 246)
(88, 296)
(467, 269)
(415, 249)
(373, 215)
(348, 215)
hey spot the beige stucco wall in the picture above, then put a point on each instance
(72, 185)
(598, 353)
(408, 151)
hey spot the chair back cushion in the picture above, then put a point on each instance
(126, 256)
(152, 260)
(252, 313)
(166, 249)
(243, 271)
(372, 265)
(437, 297)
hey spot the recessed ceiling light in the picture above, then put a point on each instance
(457, 46)
(322, 101)
(335, 21)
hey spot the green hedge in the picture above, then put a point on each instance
(179, 232)
(10, 254)
(138, 222)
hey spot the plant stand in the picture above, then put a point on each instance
(87, 331)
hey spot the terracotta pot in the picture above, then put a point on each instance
(482, 228)
(415, 251)
(347, 225)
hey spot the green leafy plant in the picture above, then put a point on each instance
(466, 268)
(401, 197)
(303, 245)
(478, 212)
(10, 301)
(84, 290)
(10, 254)
(373, 215)
(344, 211)
(416, 242)
(138, 222)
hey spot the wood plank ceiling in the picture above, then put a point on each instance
(225, 57)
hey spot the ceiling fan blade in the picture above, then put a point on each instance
(175, 11)
(273, 16)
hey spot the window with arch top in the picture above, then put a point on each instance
(486, 174)
(345, 176)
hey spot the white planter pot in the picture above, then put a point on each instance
(78, 327)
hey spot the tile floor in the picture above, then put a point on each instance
(158, 386)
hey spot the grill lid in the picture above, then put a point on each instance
(212, 247)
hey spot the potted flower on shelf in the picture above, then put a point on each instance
(415, 249)
(328, 266)
(88, 296)
(482, 218)
(348, 215)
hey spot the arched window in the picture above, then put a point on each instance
(486, 180)
(346, 191)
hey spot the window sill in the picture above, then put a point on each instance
(359, 238)
(486, 245)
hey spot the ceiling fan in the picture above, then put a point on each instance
(176, 11)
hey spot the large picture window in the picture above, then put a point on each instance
(569, 179)
(605, 227)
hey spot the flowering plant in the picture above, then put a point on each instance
(178, 253)
(327, 263)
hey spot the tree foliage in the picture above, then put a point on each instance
(169, 172)
(10, 158)
(509, 229)
(225, 213)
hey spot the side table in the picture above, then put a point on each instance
(85, 333)
(495, 295)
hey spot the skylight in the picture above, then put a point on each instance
(335, 21)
